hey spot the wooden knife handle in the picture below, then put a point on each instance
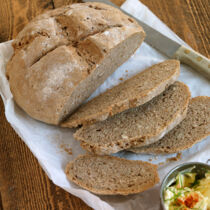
(194, 59)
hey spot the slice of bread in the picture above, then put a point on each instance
(194, 128)
(133, 92)
(137, 126)
(63, 55)
(111, 175)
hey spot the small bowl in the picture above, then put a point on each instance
(199, 168)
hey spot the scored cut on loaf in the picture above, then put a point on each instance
(137, 126)
(63, 55)
(111, 175)
(133, 92)
(194, 128)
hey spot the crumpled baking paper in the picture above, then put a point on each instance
(52, 145)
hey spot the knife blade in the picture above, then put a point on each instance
(169, 47)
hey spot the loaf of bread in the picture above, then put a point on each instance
(194, 128)
(111, 175)
(62, 56)
(137, 126)
(133, 92)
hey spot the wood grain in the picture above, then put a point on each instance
(189, 19)
(59, 3)
(23, 184)
(14, 14)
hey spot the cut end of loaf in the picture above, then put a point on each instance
(111, 175)
(103, 69)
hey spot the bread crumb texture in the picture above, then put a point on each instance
(131, 93)
(194, 128)
(111, 175)
(137, 126)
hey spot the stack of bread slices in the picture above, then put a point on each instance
(149, 113)
(59, 60)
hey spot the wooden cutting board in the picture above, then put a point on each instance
(23, 184)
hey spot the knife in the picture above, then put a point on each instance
(169, 47)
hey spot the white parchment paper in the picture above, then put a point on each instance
(47, 142)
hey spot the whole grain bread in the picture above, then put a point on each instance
(62, 56)
(137, 126)
(111, 175)
(194, 128)
(133, 92)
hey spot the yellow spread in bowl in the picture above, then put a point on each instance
(188, 192)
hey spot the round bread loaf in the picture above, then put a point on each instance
(62, 56)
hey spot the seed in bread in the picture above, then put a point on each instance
(194, 128)
(137, 126)
(62, 56)
(111, 175)
(133, 92)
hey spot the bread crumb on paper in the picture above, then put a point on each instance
(178, 157)
(161, 163)
(66, 148)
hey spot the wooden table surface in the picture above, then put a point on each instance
(23, 184)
